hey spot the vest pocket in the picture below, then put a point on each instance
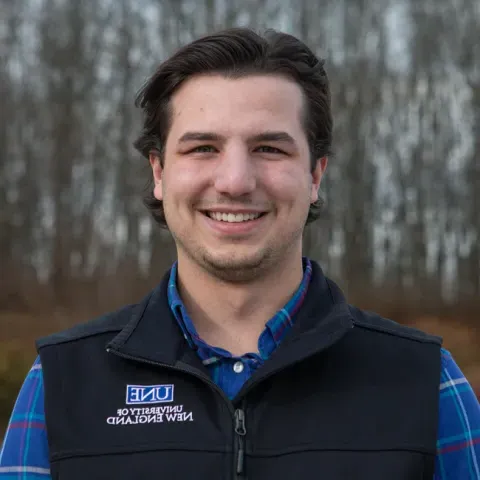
(339, 465)
(175, 463)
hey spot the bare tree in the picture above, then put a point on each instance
(403, 188)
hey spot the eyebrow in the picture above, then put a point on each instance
(268, 136)
(283, 137)
(200, 136)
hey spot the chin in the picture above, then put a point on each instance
(235, 267)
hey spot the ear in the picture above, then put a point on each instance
(317, 176)
(157, 171)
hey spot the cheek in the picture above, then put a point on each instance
(184, 181)
(290, 185)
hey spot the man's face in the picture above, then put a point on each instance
(236, 183)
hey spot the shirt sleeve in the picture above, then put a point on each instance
(24, 453)
(458, 442)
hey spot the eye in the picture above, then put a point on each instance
(268, 149)
(203, 149)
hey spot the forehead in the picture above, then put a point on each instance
(246, 104)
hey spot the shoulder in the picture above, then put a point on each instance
(112, 322)
(371, 321)
(458, 442)
(25, 446)
(454, 382)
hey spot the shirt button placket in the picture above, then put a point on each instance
(238, 367)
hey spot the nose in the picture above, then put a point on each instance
(235, 174)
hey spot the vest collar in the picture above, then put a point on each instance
(153, 334)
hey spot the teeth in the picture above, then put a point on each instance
(233, 217)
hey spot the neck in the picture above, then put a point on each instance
(232, 316)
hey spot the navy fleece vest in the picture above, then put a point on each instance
(347, 395)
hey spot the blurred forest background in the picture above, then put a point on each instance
(401, 228)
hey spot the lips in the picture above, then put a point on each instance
(233, 217)
(234, 224)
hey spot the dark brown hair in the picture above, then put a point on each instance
(235, 53)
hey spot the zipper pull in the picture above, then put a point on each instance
(240, 423)
(241, 431)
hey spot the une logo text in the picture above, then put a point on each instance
(138, 394)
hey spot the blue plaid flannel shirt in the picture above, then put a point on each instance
(24, 454)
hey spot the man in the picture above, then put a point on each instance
(246, 361)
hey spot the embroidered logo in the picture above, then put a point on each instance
(141, 394)
(150, 395)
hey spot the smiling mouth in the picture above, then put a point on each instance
(233, 217)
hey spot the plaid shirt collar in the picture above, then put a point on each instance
(276, 328)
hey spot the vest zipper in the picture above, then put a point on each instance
(240, 431)
(238, 415)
